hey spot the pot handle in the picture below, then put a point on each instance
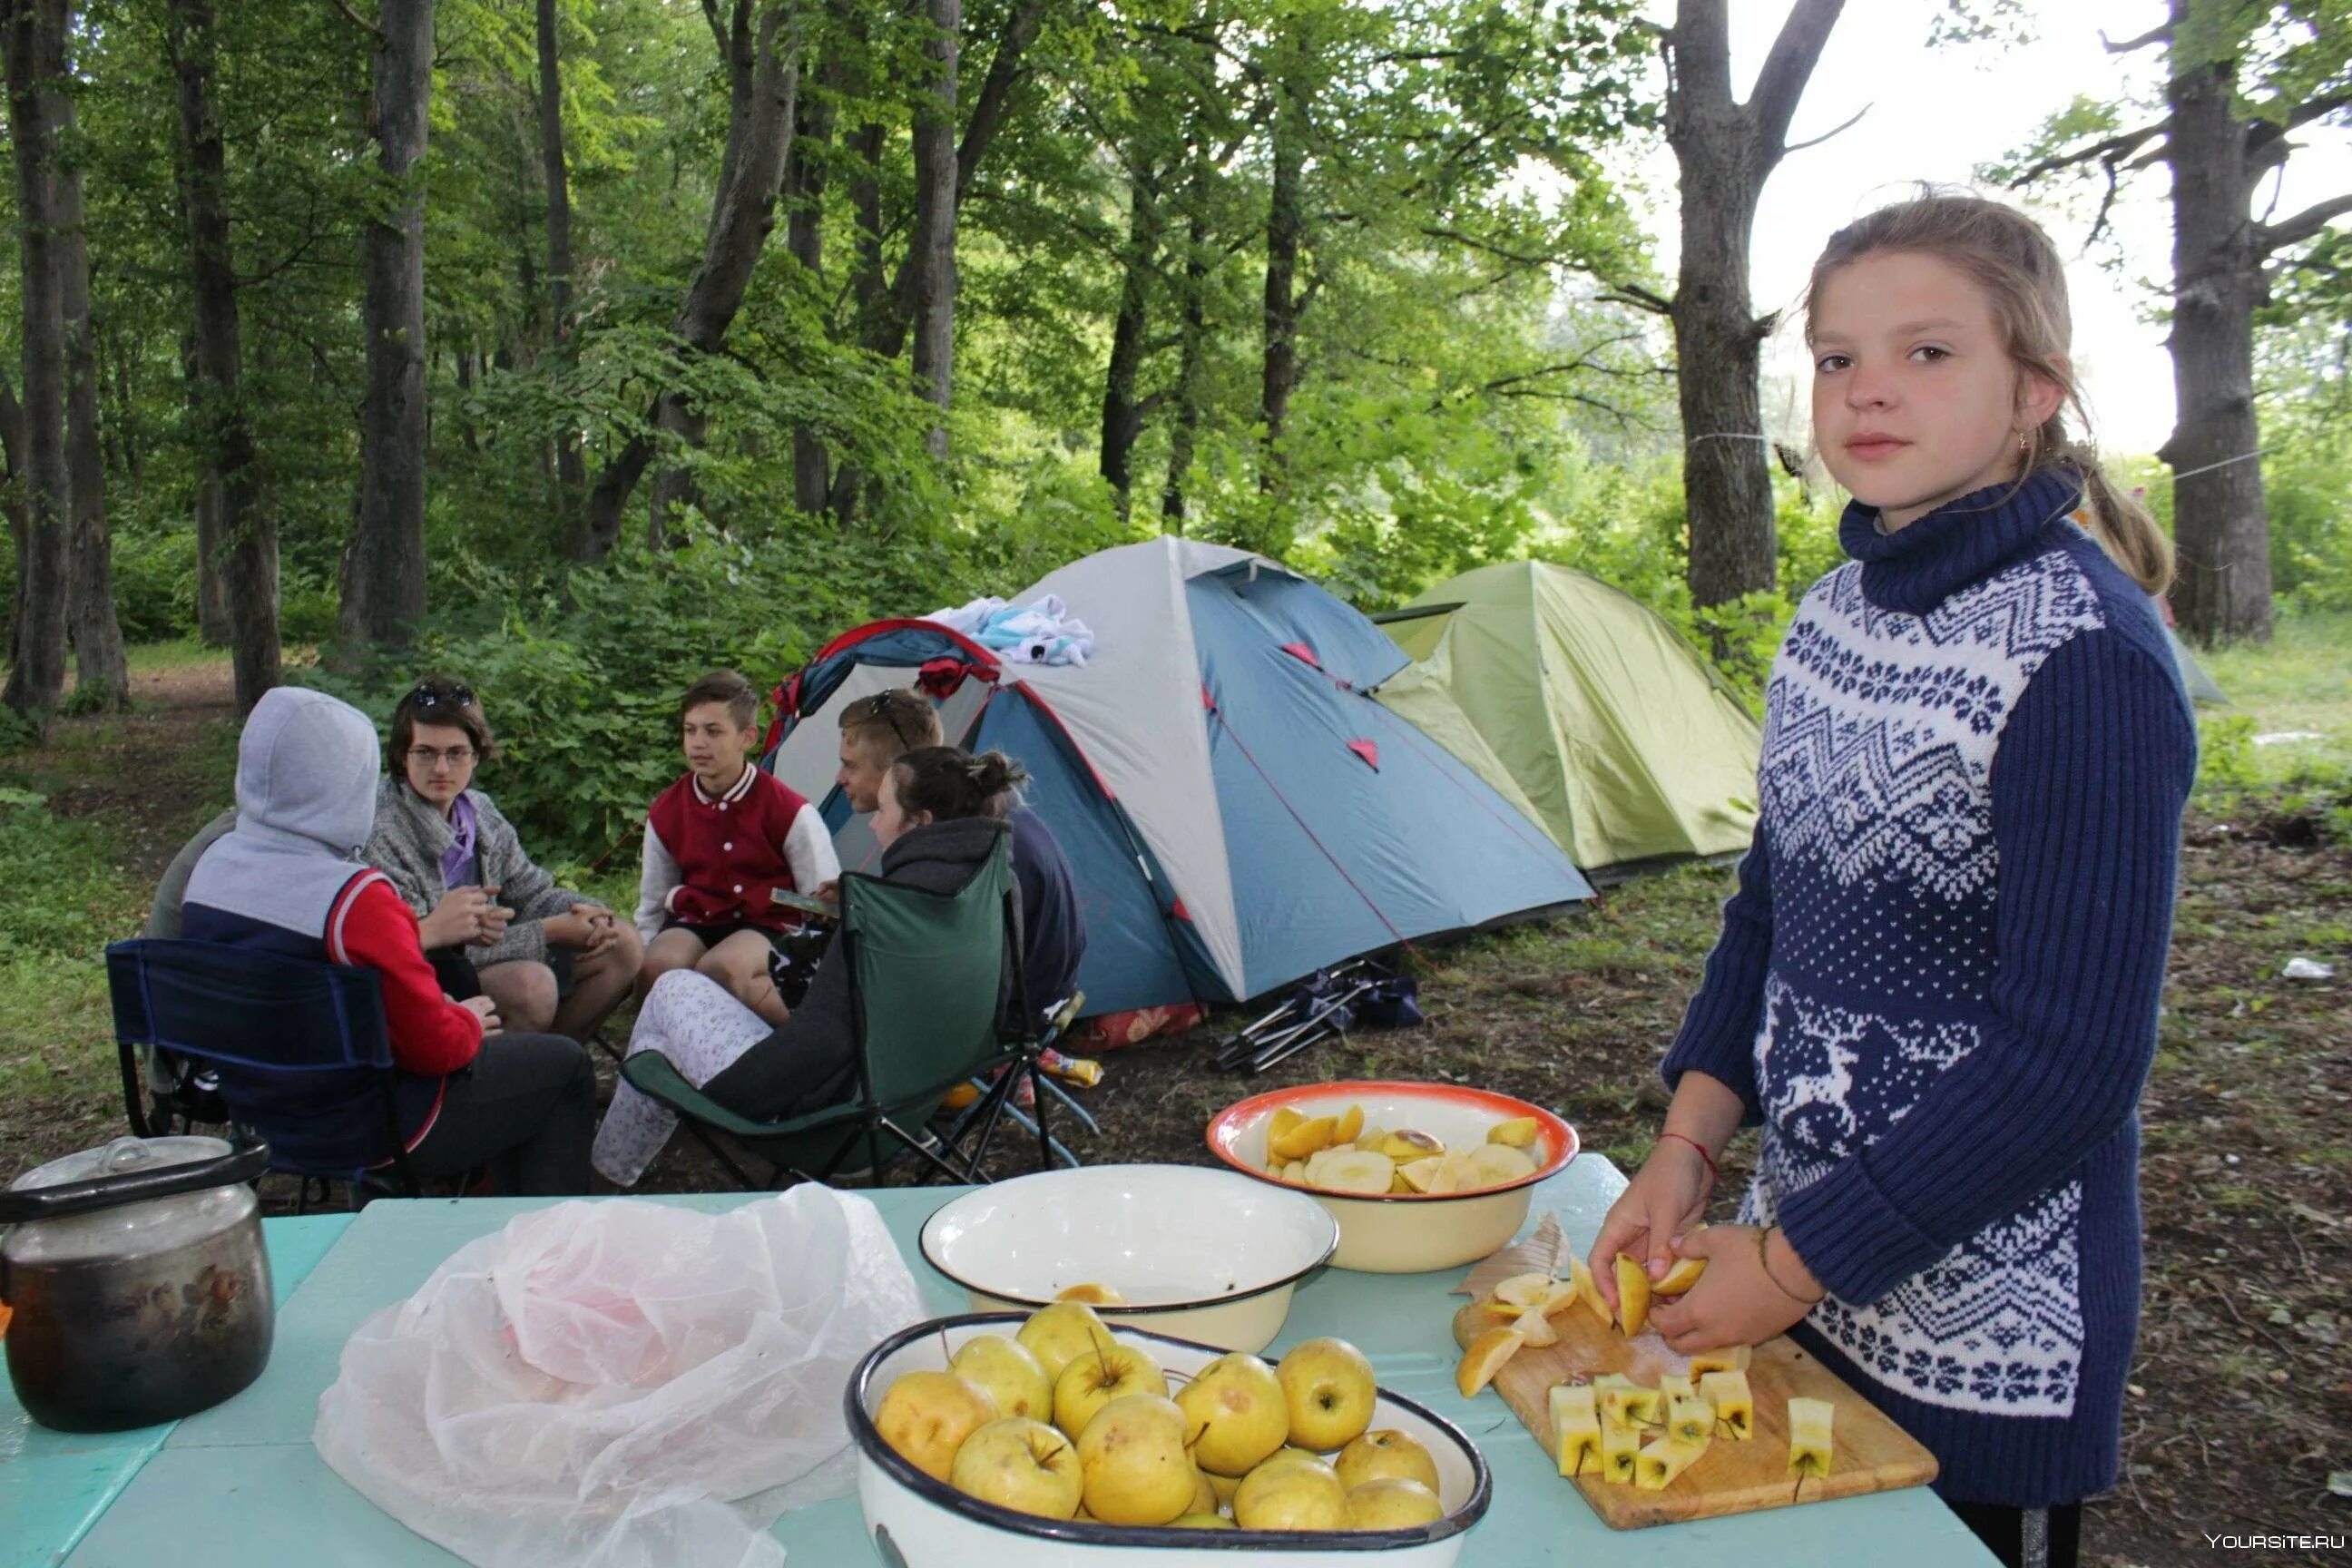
(248, 1159)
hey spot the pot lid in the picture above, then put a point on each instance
(135, 1228)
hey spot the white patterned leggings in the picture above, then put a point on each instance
(697, 1023)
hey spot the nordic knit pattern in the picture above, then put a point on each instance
(1937, 985)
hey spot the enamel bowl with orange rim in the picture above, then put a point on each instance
(1404, 1233)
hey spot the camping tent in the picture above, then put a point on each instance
(2202, 687)
(1580, 700)
(1236, 810)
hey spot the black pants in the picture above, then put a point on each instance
(525, 1110)
(2002, 1530)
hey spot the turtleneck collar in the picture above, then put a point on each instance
(1915, 569)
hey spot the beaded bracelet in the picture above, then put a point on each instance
(1764, 1261)
(1713, 1175)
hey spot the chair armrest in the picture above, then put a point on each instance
(657, 1077)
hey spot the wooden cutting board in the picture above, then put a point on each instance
(1872, 1453)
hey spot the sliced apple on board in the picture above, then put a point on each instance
(1575, 1426)
(1809, 1443)
(1536, 1328)
(1484, 1358)
(1735, 1406)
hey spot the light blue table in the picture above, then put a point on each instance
(54, 1485)
(241, 1485)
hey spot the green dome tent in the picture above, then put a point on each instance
(1584, 708)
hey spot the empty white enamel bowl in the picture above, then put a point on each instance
(916, 1520)
(1404, 1233)
(1203, 1254)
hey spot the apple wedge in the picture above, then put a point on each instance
(1680, 1278)
(1632, 1295)
(1536, 1328)
(1484, 1358)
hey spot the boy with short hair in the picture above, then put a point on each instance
(718, 843)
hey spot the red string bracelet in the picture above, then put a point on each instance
(1706, 1159)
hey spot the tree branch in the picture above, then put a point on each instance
(372, 29)
(1816, 141)
(2271, 237)
(1782, 82)
(2113, 148)
(2160, 33)
(1638, 298)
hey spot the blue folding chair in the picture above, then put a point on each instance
(299, 1050)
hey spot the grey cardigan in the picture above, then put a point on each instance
(409, 839)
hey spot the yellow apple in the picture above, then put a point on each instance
(1132, 1457)
(1224, 1487)
(1202, 1521)
(1022, 1464)
(1410, 1143)
(1058, 1334)
(1330, 1388)
(926, 1417)
(1091, 1382)
(1393, 1502)
(1092, 1294)
(1236, 1414)
(1291, 1494)
(1205, 1496)
(1010, 1374)
(1384, 1453)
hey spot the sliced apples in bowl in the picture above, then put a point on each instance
(1420, 1176)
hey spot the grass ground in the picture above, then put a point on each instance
(2242, 1405)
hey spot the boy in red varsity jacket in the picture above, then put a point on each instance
(719, 843)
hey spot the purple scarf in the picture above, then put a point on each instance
(457, 861)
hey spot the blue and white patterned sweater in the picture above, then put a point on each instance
(1937, 985)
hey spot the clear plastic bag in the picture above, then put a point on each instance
(621, 1384)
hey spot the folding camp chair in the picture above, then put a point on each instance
(926, 979)
(297, 1050)
(1050, 1149)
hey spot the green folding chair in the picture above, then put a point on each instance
(928, 977)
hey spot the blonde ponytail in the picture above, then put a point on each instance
(2125, 529)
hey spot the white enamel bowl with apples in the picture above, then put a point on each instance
(1405, 1232)
(1201, 1253)
(915, 1520)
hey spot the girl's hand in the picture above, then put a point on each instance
(598, 928)
(1666, 1197)
(487, 1011)
(455, 920)
(1736, 1301)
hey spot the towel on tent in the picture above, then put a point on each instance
(1040, 631)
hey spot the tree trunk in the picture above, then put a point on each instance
(384, 565)
(2223, 530)
(224, 454)
(1725, 151)
(763, 73)
(102, 671)
(36, 46)
(214, 628)
(805, 184)
(869, 287)
(933, 247)
(12, 501)
(1122, 412)
(1183, 432)
(1286, 228)
(570, 472)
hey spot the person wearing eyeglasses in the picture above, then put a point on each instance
(720, 844)
(492, 922)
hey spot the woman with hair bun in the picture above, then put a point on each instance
(941, 814)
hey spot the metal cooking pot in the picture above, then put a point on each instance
(139, 1281)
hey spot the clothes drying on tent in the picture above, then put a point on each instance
(1236, 809)
(1041, 632)
(1585, 706)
